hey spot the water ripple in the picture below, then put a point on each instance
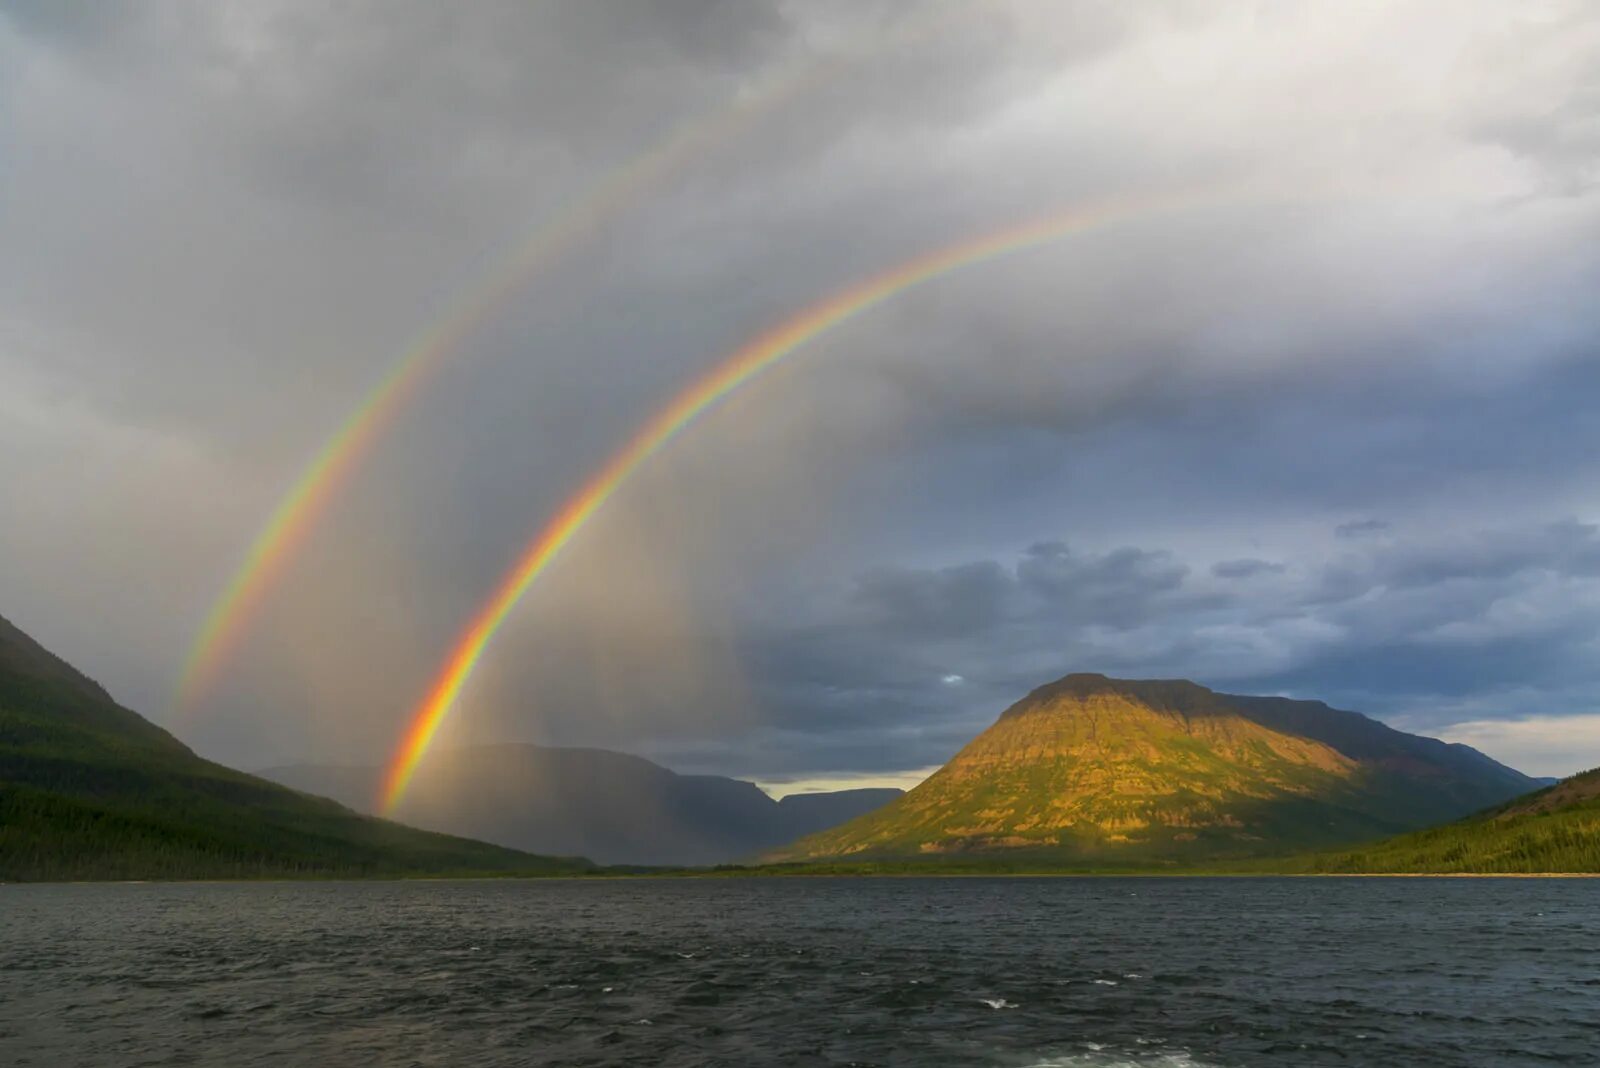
(1009, 973)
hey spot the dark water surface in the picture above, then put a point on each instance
(1174, 972)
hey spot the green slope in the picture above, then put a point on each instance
(1554, 830)
(91, 790)
(1110, 773)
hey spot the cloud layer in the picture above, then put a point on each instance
(1325, 430)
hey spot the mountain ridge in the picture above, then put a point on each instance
(1164, 771)
(614, 807)
(92, 790)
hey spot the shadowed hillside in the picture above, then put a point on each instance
(91, 790)
(613, 807)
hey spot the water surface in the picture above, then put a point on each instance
(1003, 972)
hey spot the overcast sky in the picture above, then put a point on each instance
(1327, 428)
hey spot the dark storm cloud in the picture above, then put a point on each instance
(1436, 628)
(1362, 528)
(221, 223)
(1245, 568)
(949, 603)
(915, 659)
(1048, 586)
(1567, 549)
(1119, 589)
(238, 215)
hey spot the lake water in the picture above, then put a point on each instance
(1004, 972)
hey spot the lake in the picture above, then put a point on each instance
(960, 971)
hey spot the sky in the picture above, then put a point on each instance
(1320, 424)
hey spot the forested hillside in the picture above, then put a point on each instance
(91, 790)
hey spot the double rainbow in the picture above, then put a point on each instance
(309, 498)
(681, 412)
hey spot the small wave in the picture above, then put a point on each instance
(1099, 1056)
(998, 1003)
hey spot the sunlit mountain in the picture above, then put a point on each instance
(1100, 771)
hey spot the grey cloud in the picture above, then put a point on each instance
(1411, 651)
(946, 603)
(232, 218)
(71, 23)
(1566, 548)
(1548, 121)
(1118, 588)
(1245, 568)
(1362, 528)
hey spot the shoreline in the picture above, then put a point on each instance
(710, 875)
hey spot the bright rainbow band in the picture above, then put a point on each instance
(737, 370)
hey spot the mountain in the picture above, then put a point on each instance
(1556, 829)
(809, 813)
(613, 807)
(1092, 771)
(91, 790)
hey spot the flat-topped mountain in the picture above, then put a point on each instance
(612, 807)
(89, 790)
(1096, 770)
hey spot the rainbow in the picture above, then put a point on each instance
(310, 496)
(741, 367)
(330, 470)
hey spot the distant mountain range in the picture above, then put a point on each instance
(91, 790)
(1087, 772)
(1091, 771)
(611, 807)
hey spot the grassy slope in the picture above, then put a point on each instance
(90, 790)
(1096, 773)
(1556, 829)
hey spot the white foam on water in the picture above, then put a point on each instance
(998, 1003)
(1099, 1056)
